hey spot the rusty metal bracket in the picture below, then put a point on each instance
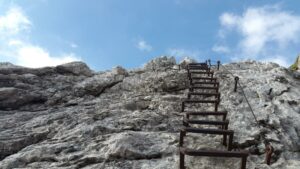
(236, 79)
(218, 62)
(269, 152)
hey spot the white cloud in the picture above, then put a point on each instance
(13, 21)
(220, 49)
(144, 46)
(229, 20)
(263, 32)
(281, 60)
(14, 25)
(15, 42)
(180, 53)
(73, 45)
(34, 56)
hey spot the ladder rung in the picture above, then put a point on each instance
(204, 78)
(204, 87)
(203, 94)
(214, 83)
(203, 63)
(214, 153)
(206, 122)
(201, 101)
(201, 73)
(207, 131)
(205, 113)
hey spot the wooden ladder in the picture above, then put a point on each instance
(204, 85)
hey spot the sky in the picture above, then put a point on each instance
(107, 33)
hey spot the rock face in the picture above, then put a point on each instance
(70, 117)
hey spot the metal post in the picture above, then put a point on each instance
(269, 152)
(182, 106)
(236, 79)
(216, 105)
(230, 142)
(225, 127)
(181, 160)
(243, 162)
(218, 64)
(182, 134)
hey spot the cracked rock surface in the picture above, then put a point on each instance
(71, 117)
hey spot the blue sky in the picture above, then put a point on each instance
(106, 33)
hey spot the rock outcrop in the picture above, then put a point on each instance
(71, 117)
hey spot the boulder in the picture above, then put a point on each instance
(75, 68)
(160, 63)
(96, 84)
(13, 98)
(183, 63)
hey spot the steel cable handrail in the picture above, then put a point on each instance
(243, 92)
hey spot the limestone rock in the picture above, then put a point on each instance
(160, 63)
(97, 84)
(183, 63)
(76, 68)
(12, 98)
(64, 117)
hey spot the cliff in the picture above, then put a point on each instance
(72, 117)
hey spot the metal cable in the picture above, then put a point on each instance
(243, 92)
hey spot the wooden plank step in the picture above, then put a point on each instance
(206, 122)
(204, 78)
(200, 63)
(217, 95)
(213, 83)
(207, 113)
(203, 72)
(194, 68)
(192, 88)
(203, 94)
(213, 153)
(224, 124)
(223, 132)
(201, 101)
(216, 102)
(204, 113)
(200, 66)
(207, 131)
(208, 84)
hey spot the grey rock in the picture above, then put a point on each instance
(296, 74)
(183, 63)
(160, 63)
(76, 68)
(131, 119)
(13, 98)
(97, 84)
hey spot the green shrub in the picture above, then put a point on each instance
(295, 65)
